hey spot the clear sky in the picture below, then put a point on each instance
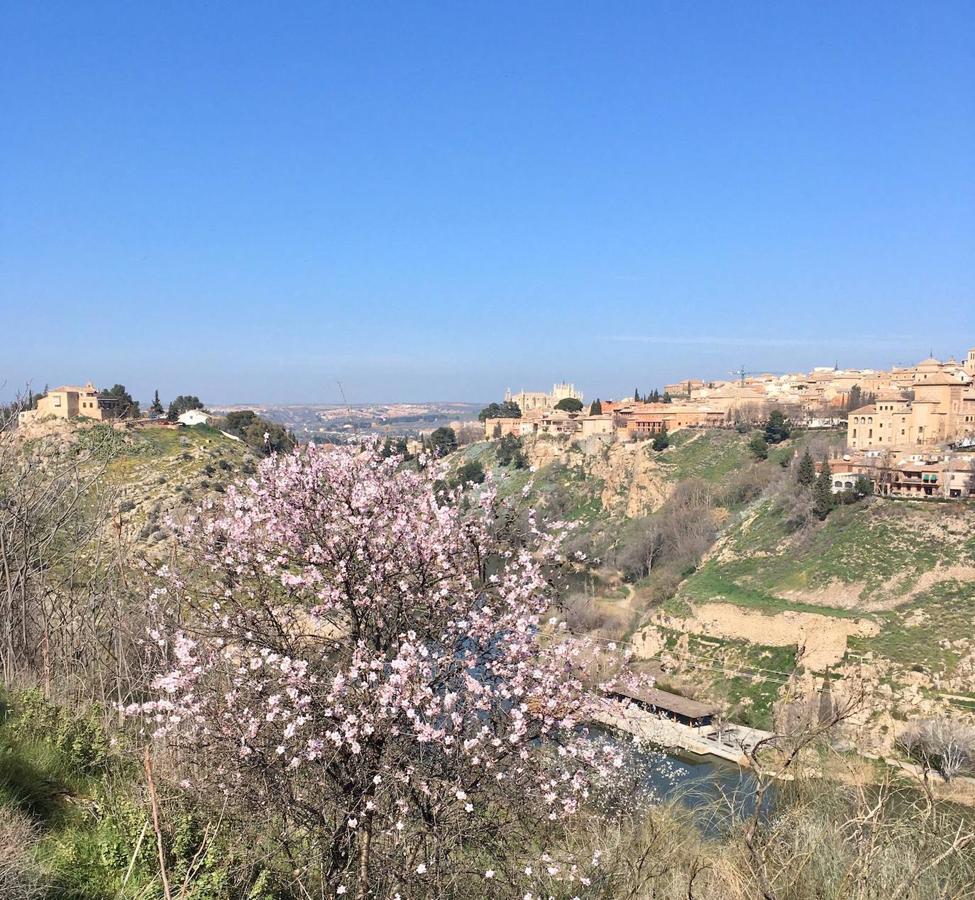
(437, 200)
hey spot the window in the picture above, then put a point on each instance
(57, 399)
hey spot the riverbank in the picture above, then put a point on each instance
(729, 742)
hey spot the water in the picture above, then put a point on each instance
(717, 792)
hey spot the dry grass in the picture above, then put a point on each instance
(20, 876)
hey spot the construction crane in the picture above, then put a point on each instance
(348, 409)
(741, 373)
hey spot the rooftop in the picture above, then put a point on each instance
(651, 696)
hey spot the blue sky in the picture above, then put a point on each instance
(435, 201)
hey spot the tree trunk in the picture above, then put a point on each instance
(365, 842)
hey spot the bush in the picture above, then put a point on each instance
(758, 446)
(470, 473)
(945, 745)
(745, 485)
(510, 452)
(79, 738)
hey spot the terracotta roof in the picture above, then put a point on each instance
(863, 410)
(666, 701)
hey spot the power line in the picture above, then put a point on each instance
(748, 671)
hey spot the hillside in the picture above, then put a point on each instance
(881, 594)
(689, 555)
(883, 591)
(132, 479)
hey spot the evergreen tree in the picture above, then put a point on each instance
(806, 473)
(183, 403)
(507, 410)
(823, 500)
(442, 441)
(758, 446)
(636, 395)
(776, 427)
(596, 409)
(156, 407)
(119, 403)
(569, 404)
(661, 441)
(510, 452)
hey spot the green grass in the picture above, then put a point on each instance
(710, 584)
(711, 455)
(763, 670)
(57, 768)
(948, 611)
(879, 548)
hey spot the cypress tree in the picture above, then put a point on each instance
(823, 500)
(596, 409)
(806, 474)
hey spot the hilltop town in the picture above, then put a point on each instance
(909, 430)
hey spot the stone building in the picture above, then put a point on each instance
(532, 400)
(636, 421)
(941, 411)
(67, 402)
(920, 476)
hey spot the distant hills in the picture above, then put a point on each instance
(336, 422)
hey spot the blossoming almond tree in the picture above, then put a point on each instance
(364, 662)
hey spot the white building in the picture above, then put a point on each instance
(194, 417)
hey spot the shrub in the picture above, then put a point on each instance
(945, 745)
(79, 738)
(470, 473)
(758, 446)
